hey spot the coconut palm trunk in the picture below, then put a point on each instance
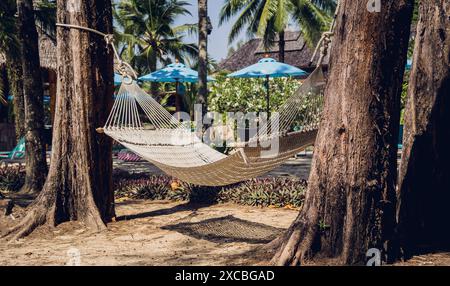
(203, 54)
(15, 76)
(33, 92)
(282, 46)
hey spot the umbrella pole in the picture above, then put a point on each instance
(177, 97)
(268, 97)
(268, 103)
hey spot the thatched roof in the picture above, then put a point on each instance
(297, 53)
(47, 52)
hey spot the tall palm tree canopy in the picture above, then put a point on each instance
(45, 13)
(267, 18)
(147, 34)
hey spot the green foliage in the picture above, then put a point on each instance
(147, 34)
(45, 13)
(248, 95)
(404, 96)
(276, 192)
(11, 178)
(323, 226)
(267, 18)
(8, 29)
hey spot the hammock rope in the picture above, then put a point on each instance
(141, 124)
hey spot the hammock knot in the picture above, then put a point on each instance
(109, 39)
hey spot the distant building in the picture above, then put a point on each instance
(297, 53)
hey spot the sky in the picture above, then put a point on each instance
(218, 40)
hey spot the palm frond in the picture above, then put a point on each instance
(45, 14)
(147, 34)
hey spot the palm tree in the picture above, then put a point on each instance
(147, 35)
(9, 47)
(45, 14)
(269, 18)
(203, 53)
(33, 93)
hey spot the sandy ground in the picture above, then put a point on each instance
(167, 233)
(155, 233)
(160, 233)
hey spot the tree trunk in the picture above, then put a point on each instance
(79, 184)
(33, 90)
(153, 63)
(350, 202)
(281, 46)
(4, 92)
(424, 180)
(15, 75)
(203, 54)
(52, 80)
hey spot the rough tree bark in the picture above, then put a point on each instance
(4, 86)
(424, 180)
(350, 202)
(153, 63)
(203, 53)
(79, 184)
(281, 46)
(15, 76)
(33, 94)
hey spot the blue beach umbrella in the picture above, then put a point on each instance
(173, 73)
(176, 73)
(268, 68)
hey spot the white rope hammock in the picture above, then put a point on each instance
(141, 124)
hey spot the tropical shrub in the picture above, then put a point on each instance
(261, 192)
(11, 178)
(248, 95)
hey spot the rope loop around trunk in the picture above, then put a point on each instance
(123, 68)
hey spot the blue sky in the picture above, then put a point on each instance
(218, 40)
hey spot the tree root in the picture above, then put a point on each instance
(29, 191)
(37, 215)
(43, 212)
(294, 247)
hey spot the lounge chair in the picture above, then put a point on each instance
(17, 153)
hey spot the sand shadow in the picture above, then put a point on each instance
(167, 211)
(20, 199)
(228, 229)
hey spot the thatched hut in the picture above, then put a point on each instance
(297, 53)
